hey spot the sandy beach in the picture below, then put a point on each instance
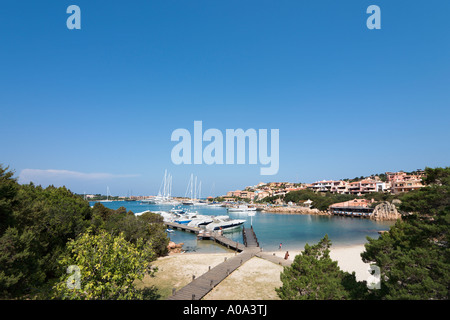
(348, 258)
(254, 280)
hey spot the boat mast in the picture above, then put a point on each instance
(169, 187)
(195, 188)
(165, 185)
(192, 185)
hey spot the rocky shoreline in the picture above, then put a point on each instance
(175, 247)
(295, 210)
(385, 211)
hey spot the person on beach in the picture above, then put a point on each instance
(286, 256)
(279, 247)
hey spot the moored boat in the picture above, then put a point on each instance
(224, 223)
(241, 208)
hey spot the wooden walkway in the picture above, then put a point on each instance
(200, 286)
(274, 259)
(249, 236)
(215, 236)
(183, 227)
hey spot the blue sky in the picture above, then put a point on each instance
(96, 107)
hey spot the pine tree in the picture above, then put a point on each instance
(315, 276)
(414, 257)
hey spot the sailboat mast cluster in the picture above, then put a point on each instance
(165, 192)
(194, 191)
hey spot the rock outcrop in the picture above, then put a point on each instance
(385, 211)
(174, 248)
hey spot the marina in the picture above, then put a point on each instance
(294, 231)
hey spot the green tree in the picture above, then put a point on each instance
(157, 230)
(109, 266)
(414, 256)
(148, 226)
(36, 226)
(315, 276)
(8, 192)
(36, 223)
(320, 200)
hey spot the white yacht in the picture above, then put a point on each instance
(168, 217)
(200, 220)
(241, 208)
(153, 200)
(185, 218)
(224, 223)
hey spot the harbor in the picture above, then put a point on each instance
(293, 230)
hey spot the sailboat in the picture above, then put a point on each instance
(166, 197)
(199, 202)
(107, 196)
(194, 193)
(189, 186)
(164, 194)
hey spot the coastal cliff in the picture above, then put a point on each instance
(385, 211)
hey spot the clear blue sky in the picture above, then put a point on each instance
(98, 105)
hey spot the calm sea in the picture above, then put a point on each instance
(293, 231)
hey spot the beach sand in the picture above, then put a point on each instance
(254, 280)
(348, 258)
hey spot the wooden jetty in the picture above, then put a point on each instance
(213, 235)
(200, 286)
(183, 227)
(273, 258)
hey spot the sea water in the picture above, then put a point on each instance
(291, 230)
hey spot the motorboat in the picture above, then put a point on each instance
(183, 220)
(241, 208)
(215, 205)
(168, 217)
(186, 218)
(200, 220)
(177, 211)
(154, 200)
(224, 223)
(140, 213)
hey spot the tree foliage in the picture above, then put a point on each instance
(108, 267)
(36, 224)
(315, 276)
(414, 257)
(39, 224)
(320, 200)
(8, 191)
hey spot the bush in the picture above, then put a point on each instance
(104, 267)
